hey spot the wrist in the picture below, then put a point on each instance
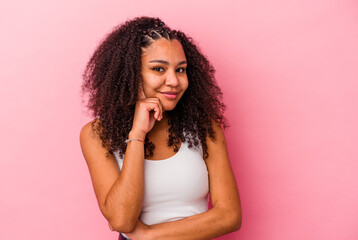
(137, 134)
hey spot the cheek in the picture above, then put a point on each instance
(185, 84)
(151, 84)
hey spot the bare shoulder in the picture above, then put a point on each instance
(218, 162)
(87, 131)
(219, 144)
(219, 133)
(89, 138)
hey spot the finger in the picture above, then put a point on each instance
(161, 109)
(157, 111)
(157, 100)
(160, 106)
(160, 112)
(153, 100)
(154, 106)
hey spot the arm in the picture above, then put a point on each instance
(223, 218)
(124, 200)
(119, 194)
(208, 225)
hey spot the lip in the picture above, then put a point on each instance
(170, 95)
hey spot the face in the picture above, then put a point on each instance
(164, 72)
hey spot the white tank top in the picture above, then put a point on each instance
(174, 188)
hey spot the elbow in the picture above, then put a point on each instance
(120, 221)
(235, 220)
(122, 226)
(237, 223)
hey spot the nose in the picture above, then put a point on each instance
(172, 79)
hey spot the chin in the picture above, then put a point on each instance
(168, 108)
(168, 105)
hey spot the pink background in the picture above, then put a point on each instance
(288, 70)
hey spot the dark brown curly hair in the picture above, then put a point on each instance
(112, 79)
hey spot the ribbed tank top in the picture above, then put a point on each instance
(174, 188)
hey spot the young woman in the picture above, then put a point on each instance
(156, 149)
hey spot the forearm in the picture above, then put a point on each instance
(208, 225)
(124, 201)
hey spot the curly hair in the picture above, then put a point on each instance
(112, 79)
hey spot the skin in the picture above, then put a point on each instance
(120, 193)
(164, 70)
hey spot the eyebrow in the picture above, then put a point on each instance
(167, 63)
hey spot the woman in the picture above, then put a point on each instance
(156, 149)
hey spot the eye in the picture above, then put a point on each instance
(181, 70)
(158, 69)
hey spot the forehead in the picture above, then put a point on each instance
(164, 49)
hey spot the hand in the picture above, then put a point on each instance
(141, 232)
(147, 111)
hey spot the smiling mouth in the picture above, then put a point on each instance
(170, 95)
